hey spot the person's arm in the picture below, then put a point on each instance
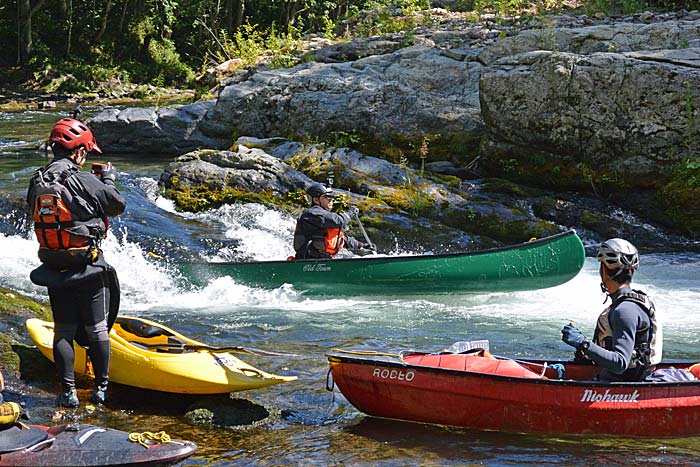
(354, 244)
(624, 321)
(329, 219)
(111, 203)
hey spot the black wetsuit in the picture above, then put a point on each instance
(88, 296)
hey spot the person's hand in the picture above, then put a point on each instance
(370, 246)
(353, 211)
(572, 336)
(109, 174)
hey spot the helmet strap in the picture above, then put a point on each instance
(604, 289)
(617, 273)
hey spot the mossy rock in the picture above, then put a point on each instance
(203, 197)
(545, 208)
(9, 360)
(15, 309)
(230, 413)
(680, 208)
(16, 304)
(411, 199)
(500, 185)
(32, 365)
(593, 221)
(311, 163)
(461, 148)
(447, 180)
(492, 226)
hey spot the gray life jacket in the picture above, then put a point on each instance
(648, 341)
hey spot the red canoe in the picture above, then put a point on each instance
(485, 392)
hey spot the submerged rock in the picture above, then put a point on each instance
(230, 413)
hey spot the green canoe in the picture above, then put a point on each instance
(527, 266)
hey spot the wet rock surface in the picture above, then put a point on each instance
(423, 210)
(602, 107)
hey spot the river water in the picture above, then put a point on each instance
(314, 426)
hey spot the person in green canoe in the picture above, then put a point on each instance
(320, 233)
(628, 340)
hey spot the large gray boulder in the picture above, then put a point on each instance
(628, 116)
(246, 169)
(393, 98)
(619, 37)
(167, 130)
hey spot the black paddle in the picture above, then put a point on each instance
(233, 349)
(364, 232)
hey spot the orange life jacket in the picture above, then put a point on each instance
(335, 240)
(55, 227)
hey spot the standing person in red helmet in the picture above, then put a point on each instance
(70, 210)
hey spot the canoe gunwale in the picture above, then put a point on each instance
(396, 362)
(524, 245)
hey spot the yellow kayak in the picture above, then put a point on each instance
(148, 355)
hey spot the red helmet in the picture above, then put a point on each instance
(71, 134)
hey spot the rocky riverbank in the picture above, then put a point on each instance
(30, 379)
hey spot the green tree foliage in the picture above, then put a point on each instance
(163, 41)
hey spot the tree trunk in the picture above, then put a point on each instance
(103, 27)
(25, 11)
(238, 14)
(121, 20)
(63, 7)
(289, 13)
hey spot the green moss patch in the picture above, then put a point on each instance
(500, 185)
(203, 197)
(229, 413)
(15, 309)
(680, 208)
(490, 225)
(15, 304)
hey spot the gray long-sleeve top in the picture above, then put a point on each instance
(626, 319)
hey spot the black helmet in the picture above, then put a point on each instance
(316, 190)
(617, 253)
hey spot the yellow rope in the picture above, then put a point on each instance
(143, 438)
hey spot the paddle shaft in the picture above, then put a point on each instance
(233, 349)
(362, 229)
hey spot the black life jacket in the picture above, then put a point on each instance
(65, 242)
(648, 341)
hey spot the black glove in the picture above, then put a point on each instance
(109, 175)
(369, 246)
(353, 211)
(572, 336)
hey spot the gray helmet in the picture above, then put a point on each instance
(316, 190)
(617, 253)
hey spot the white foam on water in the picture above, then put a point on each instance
(18, 256)
(143, 280)
(264, 234)
(673, 280)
